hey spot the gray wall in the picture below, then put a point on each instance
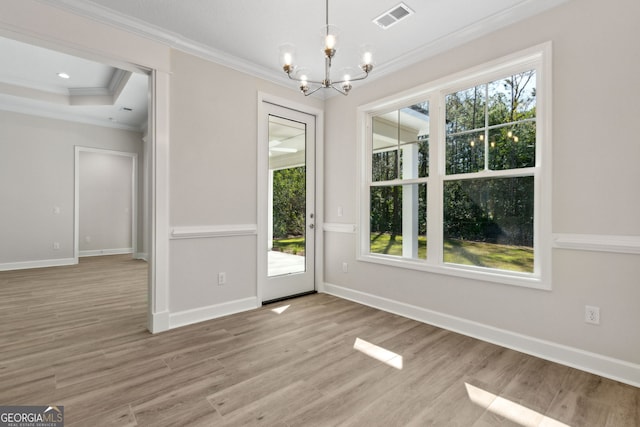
(212, 161)
(37, 175)
(213, 172)
(595, 179)
(105, 203)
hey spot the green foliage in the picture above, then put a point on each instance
(294, 245)
(289, 194)
(490, 210)
(491, 126)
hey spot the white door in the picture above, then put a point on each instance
(290, 195)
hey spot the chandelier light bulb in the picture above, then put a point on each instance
(330, 41)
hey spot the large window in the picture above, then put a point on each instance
(476, 208)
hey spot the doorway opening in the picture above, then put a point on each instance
(55, 118)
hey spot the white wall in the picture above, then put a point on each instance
(595, 192)
(37, 175)
(105, 203)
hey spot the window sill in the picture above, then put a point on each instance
(468, 272)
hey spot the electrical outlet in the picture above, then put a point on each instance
(56, 246)
(592, 314)
(222, 278)
(345, 267)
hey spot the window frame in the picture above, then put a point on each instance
(538, 58)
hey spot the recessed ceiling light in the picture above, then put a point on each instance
(63, 75)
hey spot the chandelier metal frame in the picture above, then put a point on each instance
(342, 86)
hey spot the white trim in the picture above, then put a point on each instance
(142, 255)
(158, 131)
(169, 38)
(101, 252)
(537, 57)
(615, 369)
(76, 199)
(207, 231)
(41, 110)
(159, 272)
(196, 315)
(505, 277)
(264, 101)
(158, 322)
(43, 263)
(598, 242)
(457, 38)
(474, 31)
(334, 227)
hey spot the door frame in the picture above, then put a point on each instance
(157, 69)
(134, 197)
(263, 183)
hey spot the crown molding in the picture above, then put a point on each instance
(168, 38)
(454, 39)
(70, 117)
(457, 38)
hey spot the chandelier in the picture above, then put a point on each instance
(308, 87)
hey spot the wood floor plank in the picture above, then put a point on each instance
(76, 336)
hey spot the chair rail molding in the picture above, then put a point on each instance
(210, 231)
(598, 243)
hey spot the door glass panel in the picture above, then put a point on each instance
(287, 197)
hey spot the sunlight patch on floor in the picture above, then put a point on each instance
(510, 410)
(281, 309)
(382, 354)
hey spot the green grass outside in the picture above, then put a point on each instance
(291, 245)
(490, 255)
(481, 254)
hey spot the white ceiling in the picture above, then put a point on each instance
(94, 93)
(246, 35)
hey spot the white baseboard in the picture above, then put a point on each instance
(142, 255)
(158, 322)
(196, 315)
(604, 366)
(101, 252)
(23, 265)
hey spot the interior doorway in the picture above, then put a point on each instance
(122, 100)
(106, 203)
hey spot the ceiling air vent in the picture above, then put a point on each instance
(393, 16)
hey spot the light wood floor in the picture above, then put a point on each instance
(75, 336)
